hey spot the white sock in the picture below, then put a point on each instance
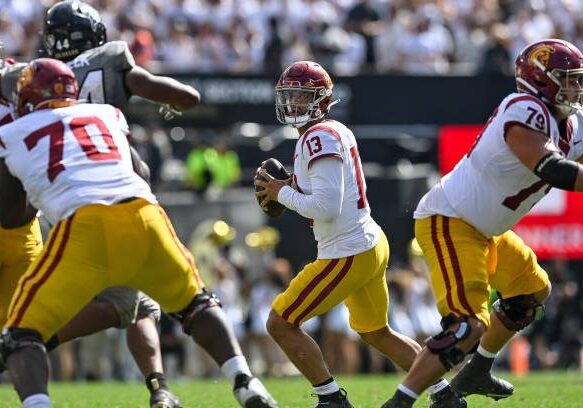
(234, 366)
(485, 352)
(37, 401)
(407, 391)
(327, 389)
(435, 388)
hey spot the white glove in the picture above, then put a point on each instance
(168, 111)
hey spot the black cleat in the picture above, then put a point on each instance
(164, 399)
(468, 382)
(447, 398)
(338, 401)
(394, 403)
(250, 393)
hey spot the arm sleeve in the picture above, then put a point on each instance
(325, 202)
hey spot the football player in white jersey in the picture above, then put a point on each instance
(73, 32)
(463, 223)
(74, 162)
(329, 188)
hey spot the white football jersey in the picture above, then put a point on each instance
(6, 114)
(70, 157)
(490, 188)
(353, 231)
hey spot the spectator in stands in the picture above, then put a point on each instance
(216, 166)
(426, 46)
(143, 47)
(179, 44)
(262, 291)
(340, 344)
(146, 144)
(557, 340)
(497, 57)
(364, 19)
(379, 22)
(274, 48)
(12, 35)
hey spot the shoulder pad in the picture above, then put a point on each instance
(528, 111)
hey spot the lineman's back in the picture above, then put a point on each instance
(72, 156)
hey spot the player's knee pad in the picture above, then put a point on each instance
(148, 307)
(202, 301)
(517, 312)
(444, 344)
(15, 339)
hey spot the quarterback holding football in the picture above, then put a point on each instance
(329, 189)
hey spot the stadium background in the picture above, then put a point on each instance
(409, 73)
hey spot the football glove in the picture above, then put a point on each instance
(169, 112)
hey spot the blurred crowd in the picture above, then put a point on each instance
(430, 37)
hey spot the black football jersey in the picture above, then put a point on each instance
(100, 73)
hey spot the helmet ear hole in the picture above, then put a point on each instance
(539, 84)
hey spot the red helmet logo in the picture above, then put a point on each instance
(303, 94)
(45, 83)
(552, 70)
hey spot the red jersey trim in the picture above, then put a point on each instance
(323, 156)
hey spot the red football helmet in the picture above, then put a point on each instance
(303, 94)
(552, 70)
(45, 83)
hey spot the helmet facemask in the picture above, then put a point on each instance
(569, 98)
(298, 105)
(552, 70)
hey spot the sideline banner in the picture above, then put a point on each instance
(553, 228)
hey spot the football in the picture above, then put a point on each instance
(274, 168)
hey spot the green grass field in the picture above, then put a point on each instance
(549, 390)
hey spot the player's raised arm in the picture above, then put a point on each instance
(161, 89)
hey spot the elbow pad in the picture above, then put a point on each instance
(557, 171)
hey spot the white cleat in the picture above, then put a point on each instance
(250, 393)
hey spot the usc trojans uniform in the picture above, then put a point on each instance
(100, 72)
(74, 163)
(353, 251)
(463, 223)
